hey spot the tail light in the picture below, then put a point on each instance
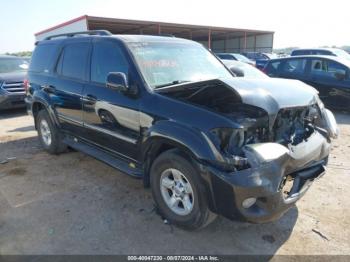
(26, 86)
(264, 70)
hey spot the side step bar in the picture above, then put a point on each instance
(102, 155)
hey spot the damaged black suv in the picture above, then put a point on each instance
(166, 110)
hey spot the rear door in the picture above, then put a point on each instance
(111, 118)
(65, 86)
(332, 91)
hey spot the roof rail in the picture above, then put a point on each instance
(90, 32)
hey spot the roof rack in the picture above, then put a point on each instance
(91, 32)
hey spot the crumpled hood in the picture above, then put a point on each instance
(274, 93)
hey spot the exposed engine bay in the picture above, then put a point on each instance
(288, 126)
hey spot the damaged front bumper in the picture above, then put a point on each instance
(257, 194)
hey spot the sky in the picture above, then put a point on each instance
(303, 23)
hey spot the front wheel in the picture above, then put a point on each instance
(179, 191)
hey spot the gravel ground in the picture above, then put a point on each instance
(74, 204)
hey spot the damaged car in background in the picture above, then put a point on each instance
(166, 110)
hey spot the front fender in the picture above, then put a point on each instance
(192, 141)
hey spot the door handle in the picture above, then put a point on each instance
(89, 99)
(49, 89)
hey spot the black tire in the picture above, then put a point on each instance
(200, 215)
(56, 145)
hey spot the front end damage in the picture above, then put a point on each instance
(280, 147)
(275, 167)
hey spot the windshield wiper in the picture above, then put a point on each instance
(176, 82)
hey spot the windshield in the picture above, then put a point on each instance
(170, 63)
(8, 65)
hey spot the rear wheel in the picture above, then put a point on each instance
(49, 135)
(179, 191)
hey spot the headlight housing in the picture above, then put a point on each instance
(229, 142)
(331, 123)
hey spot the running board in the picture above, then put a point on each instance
(102, 155)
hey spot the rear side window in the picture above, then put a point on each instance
(41, 58)
(294, 66)
(322, 52)
(107, 57)
(301, 52)
(72, 62)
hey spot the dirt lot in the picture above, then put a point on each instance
(73, 204)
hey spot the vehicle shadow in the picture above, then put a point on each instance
(23, 129)
(251, 239)
(11, 113)
(124, 220)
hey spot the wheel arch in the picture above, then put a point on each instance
(39, 104)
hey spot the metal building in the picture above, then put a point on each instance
(219, 39)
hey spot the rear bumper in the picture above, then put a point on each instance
(265, 178)
(9, 101)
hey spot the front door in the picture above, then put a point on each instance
(333, 92)
(111, 118)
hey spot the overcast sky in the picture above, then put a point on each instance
(306, 23)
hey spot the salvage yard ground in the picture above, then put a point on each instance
(74, 204)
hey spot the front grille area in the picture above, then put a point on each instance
(14, 87)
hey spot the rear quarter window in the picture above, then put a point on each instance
(41, 58)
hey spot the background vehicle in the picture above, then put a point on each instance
(236, 57)
(328, 74)
(259, 58)
(12, 73)
(139, 103)
(322, 51)
(241, 69)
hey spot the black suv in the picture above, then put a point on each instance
(166, 110)
(12, 74)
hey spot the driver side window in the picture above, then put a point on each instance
(107, 57)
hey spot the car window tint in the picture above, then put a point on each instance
(107, 57)
(228, 57)
(300, 52)
(75, 56)
(294, 66)
(335, 67)
(41, 57)
(326, 67)
(272, 68)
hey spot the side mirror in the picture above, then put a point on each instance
(238, 72)
(340, 75)
(117, 81)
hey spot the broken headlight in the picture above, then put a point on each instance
(230, 142)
